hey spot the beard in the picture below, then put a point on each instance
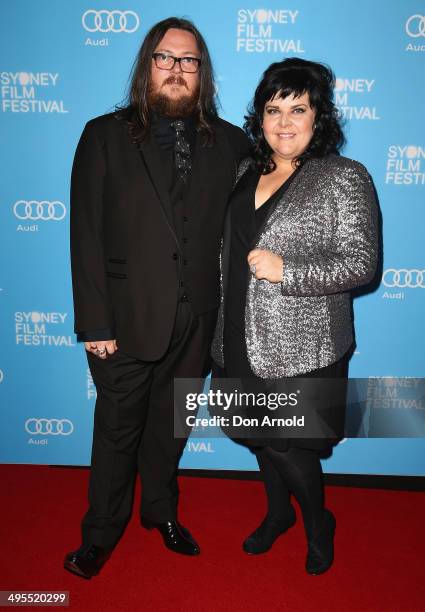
(183, 106)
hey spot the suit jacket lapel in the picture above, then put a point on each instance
(151, 158)
(227, 235)
(281, 196)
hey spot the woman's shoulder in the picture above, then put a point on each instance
(338, 167)
(246, 164)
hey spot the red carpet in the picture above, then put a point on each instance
(379, 556)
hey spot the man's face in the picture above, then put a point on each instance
(174, 92)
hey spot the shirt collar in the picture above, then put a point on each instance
(165, 134)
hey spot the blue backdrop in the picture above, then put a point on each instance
(66, 62)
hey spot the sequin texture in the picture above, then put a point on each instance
(326, 230)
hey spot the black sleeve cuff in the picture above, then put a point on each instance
(97, 334)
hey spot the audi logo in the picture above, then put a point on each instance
(32, 210)
(403, 278)
(110, 21)
(53, 427)
(415, 26)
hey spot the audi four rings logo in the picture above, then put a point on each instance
(53, 427)
(415, 26)
(32, 210)
(403, 278)
(110, 21)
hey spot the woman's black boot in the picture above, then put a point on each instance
(320, 553)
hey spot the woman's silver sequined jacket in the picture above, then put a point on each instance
(325, 229)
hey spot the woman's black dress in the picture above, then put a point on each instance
(246, 225)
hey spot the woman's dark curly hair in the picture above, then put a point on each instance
(296, 76)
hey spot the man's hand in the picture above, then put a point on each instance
(266, 265)
(101, 348)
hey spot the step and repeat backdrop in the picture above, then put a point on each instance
(64, 62)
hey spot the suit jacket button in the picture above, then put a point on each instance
(175, 256)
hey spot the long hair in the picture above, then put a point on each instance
(136, 110)
(296, 76)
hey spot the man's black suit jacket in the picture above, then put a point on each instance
(125, 254)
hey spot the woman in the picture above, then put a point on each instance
(300, 234)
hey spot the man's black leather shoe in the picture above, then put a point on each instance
(87, 561)
(263, 538)
(320, 553)
(176, 537)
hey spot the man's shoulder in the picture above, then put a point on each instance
(101, 120)
(230, 128)
(109, 123)
(236, 137)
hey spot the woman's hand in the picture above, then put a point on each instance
(266, 265)
(101, 348)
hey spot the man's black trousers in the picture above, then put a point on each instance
(134, 429)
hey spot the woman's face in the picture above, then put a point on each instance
(288, 126)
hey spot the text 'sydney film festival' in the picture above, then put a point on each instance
(79, 69)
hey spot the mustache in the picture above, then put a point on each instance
(175, 79)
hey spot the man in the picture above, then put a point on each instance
(149, 189)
